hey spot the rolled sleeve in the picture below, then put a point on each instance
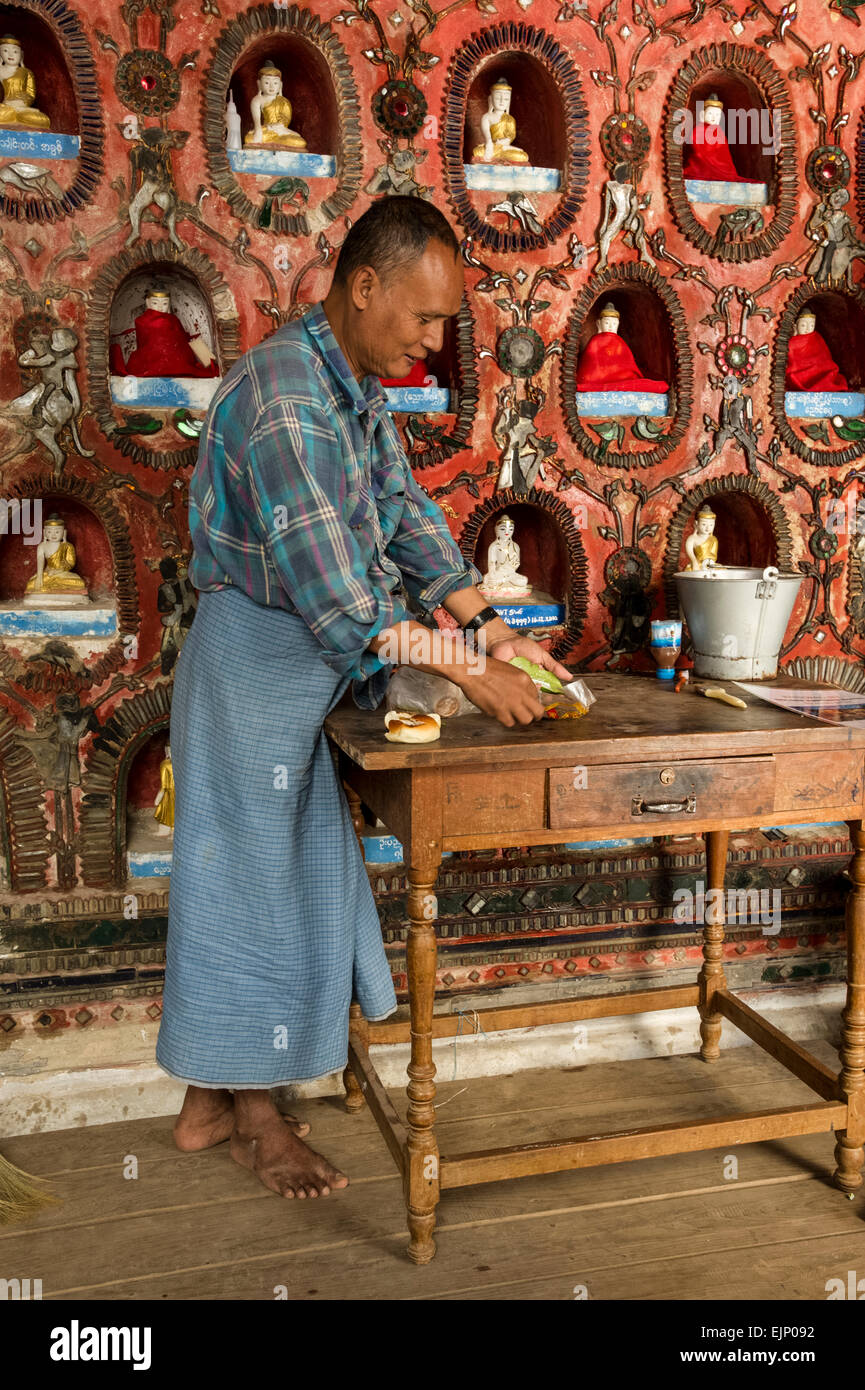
(298, 486)
(426, 553)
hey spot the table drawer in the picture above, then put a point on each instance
(640, 793)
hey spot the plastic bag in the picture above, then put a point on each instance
(422, 692)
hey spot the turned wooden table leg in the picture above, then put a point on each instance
(354, 1098)
(357, 1027)
(849, 1150)
(422, 1156)
(712, 975)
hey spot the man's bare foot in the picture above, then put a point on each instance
(207, 1118)
(263, 1143)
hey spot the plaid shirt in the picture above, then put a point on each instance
(303, 498)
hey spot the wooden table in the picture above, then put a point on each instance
(642, 760)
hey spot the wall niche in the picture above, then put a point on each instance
(599, 392)
(318, 82)
(84, 620)
(822, 426)
(121, 772)
(151, 365)
(149, 417)
(750, 524)
(148, 838)
(535, 199)
(56, 167)
(308, 87)
(552, 559)
(733, 220)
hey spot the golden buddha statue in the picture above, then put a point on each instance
(55, 566)
(498, 128)
(701, 547)
(19, 90)
(271, 113)
(163, 807)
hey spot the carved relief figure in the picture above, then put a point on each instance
(176, 604)
(622, 214)
(607, 363)
(499, 129)
(19, 89)
(55, 739)
(522, 451)
(152, 175)
(271, 114)
(838, 244)
(54, 401)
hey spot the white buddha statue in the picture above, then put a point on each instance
(271, 113)
(503, 579)
(55, 583)
(701, 547)
(499, 128)
(19, 89)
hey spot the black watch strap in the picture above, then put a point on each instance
(486, 615)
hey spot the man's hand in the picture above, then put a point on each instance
(528, 647)
(504, 691)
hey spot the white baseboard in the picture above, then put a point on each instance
(96, 1095)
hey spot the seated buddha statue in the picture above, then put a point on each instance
(55, 564)
(499, 128)
(19, 90)
(701, 547)
(163, 346)
(503, 579)
(607, 363)
(707, 155)
(271, 114)
(810, 364)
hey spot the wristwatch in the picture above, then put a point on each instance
(486, 615)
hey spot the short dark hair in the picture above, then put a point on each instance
(390, 234)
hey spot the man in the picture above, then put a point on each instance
(305, 522)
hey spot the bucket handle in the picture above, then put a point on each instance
(767, 586)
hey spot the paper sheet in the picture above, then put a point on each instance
(831, 704)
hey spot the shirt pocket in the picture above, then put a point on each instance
(390, 502)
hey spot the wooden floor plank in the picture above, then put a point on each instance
(197, 1227)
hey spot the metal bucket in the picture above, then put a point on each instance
(737, 619)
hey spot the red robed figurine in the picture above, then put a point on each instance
(162, 346)
(810, 364)
(707, 155)
(607, 363)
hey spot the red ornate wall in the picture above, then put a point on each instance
(708, 298)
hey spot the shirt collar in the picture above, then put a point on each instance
(367, 395)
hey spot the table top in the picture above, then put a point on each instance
(635, 716)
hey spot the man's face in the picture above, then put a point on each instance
(10, 55)
(402, 320)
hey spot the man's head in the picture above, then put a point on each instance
(398, 279)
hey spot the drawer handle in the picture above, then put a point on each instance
(639, 807)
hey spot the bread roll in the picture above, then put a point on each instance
(409, 726)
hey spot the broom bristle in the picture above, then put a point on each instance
(21, 1193)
